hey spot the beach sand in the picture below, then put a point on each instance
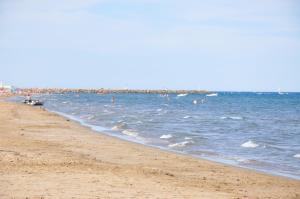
(43, 155)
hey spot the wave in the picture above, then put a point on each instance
(115, 128)
(249, 144)
(180, 144)
(182, 95)
(297, 155)
(119, 127)
(232, 118)
(236, 118)
(168, 136)
(91, 117)
(243, 160)
(130, 133)
(212, 95)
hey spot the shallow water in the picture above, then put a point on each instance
(253, 130)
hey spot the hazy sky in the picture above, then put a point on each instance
(193, 44)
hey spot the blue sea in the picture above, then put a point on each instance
(260, 131)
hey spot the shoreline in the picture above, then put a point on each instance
(40, 148)
(100, 130)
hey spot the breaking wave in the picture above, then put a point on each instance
(249, 144)
(180, 144)
(130, 133)
(168, 136)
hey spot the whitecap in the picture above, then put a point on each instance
(249, 144)
(188, 138)
(236, 118)
(186, 117)
(65, 102)
(167, 136)
(130, 133)
(119, 127)
(231, 117)
(115, 128)
(180, 144)
(195, 102)
(91, 117)
(158, 110)
(297, 155)
(242, 160)
(212, 95)
(182, 95)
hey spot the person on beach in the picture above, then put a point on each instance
(28, 97)
(113, 99)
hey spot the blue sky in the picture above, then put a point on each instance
(249, 45)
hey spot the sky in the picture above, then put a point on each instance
(232, 45)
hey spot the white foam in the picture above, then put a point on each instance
(186, 117)
(188, 138)
(297, 155)
(65, 102)
(91, 117)
(236, 118)
(130, 133)
(195, 102)
(182, 95)
(158, 110)
(168, 136)
(180, 144)
(242, 160)
(115, 128)
(212, 95)
(232, 118)
(249, 144)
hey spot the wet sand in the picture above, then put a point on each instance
(43, 155)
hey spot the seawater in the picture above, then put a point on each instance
(259, 131)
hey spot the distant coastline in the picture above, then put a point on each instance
(107, 91)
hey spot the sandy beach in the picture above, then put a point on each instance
(44, 155)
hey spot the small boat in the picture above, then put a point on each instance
(182, 95)
(212, 95)
(33, 102)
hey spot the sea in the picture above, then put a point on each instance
(254, 130)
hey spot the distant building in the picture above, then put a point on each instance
(4, 89)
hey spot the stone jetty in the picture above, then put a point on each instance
(25, 91)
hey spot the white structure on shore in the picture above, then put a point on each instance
(6, 88)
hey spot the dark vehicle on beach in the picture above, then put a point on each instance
(33, 102)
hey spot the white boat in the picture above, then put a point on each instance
(212, 95)
(182, 95)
